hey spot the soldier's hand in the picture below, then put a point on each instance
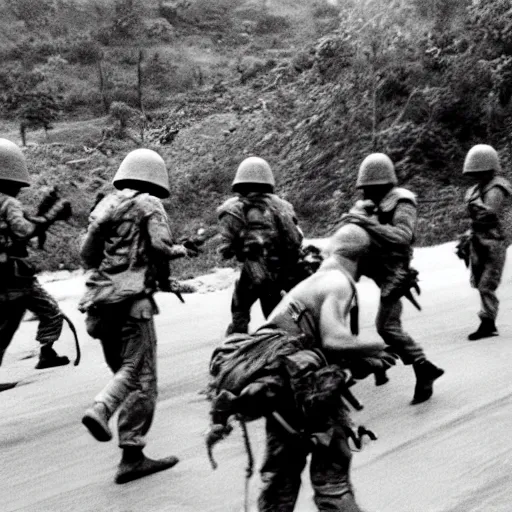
(363, 207)
(192, 249)
(364, 366)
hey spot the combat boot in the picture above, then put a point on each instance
(486, 329)
(426, 374)
(96, 419)
(134, 465)
(48, 358)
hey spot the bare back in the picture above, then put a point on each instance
(328, 295)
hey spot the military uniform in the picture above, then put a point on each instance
(127, 239)
(488, 235)
(261, 230)
(19, 288)
(392, 226)
(396, 216)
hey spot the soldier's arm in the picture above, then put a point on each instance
(401, 230)
(161, 239)
(334, 324)
(230, 227)
(494, 201)
(20, 227)
(91, 250)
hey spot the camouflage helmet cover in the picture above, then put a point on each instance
(376, 169)
(481, 158)
(254, 170)
(145, 166)
(13, 166)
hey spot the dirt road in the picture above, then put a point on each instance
(451, 454)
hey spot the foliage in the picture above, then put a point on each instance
(35, 15)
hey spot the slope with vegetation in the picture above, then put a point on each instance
(312, 86)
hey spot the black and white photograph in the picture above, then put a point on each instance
(254, 255)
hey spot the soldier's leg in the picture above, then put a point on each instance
(330, 475)
(50, 318)
(489, 282)
(389, 327)
(137, 410)
(136, 414)
(245, 294)
(491, 269)
(105, 324)
(11, 314)
(285, 459)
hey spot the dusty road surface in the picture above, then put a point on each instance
(451, 454)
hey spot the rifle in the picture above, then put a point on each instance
(52, 206)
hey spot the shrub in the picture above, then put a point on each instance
(84, 51)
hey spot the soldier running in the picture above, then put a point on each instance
(389, 214)
(19, 289)
(127, 241)
(486, 201)
(260, 229)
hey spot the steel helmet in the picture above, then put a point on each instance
(143, 166)
(376, 169)
(13, 166)
(349, 241)
(254, 170)
(480, 158)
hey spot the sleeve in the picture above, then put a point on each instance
(230, 228)
(161, 239)
(402, 227)
(20, 227)
(91, 250)
(485, 213)
(399, 232)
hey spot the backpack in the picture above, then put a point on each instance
(270, 223)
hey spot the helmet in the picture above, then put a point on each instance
(350, 241)
(13, 166)
(143, 166)
(254, 170)
(481, 157)
(376, 169)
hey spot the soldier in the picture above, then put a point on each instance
(19, 288)
(488, 244)
(389, 215)
(260, 229)
(127, 240)
(312, 334)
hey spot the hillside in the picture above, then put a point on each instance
(311, 86)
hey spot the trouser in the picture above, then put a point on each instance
(33, 297)
(284, 462)
(245, 294)
(389, 327)
(487, 263)
(129, 346)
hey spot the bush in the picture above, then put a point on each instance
(271, 24)
(84, 51)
